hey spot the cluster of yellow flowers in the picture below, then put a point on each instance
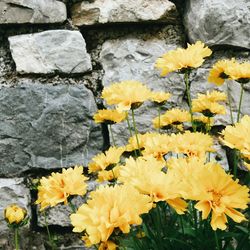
(173, 168)
(59, 186)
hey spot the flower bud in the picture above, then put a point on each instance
(14, 214)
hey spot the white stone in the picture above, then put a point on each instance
(218, 22)
(32, 11)
(109, 11)
(50, 51)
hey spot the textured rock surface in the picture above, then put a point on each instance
(32, 11)
(109, 11)
(45, 126)
(12, 191)
(218, 22)
(134, 59)
(50, 51)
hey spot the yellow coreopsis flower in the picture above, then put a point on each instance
(191, 57)
(219, 71)
(108, 175)
(14, 214)
(194, 144)
(216, 192)
(109, 245)
(146, 176)
(110, 208)
(203, 119)
(208, 105)
(126, 95)
(160, 97)
(109, 116)
(59, 186)
(103, 160)
(237, 136)
(157, 145)
(173, 116)
(239, 72)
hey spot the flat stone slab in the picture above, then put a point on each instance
(32, 11)
(218, 22)
(51, 51)
(109, 11)
(46, 127)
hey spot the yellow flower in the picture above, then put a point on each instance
(237, 136)
(173, 116)
(215, 191)
(146, 176)
(203, 119)
(219, 71)
(207, 103)
(14, 214)
(126, 95)
(109, 245)
(59, 186)
(160, 97)
(109, 116)
(192, 144)
(110, 208)
(108, 175)
(240, 72)
(191, 57)
(132, 142)
(103, 160)
(157, 145)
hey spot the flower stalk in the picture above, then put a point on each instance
(240, 102)
(187, 84)
(16, 238)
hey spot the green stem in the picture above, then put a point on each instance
(16, 239)
(186, 80)
(112, 135)
(230, 104)
(48, 232)
(182, 227)
(216, 240)
(129, 127)
(235, 162)
(72, 206)
(241, 97)
(136, 132)
(159, 118)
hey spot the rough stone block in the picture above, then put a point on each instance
(108, 11)
(32, 11)
(46, 126)
(218, 22)
(134, 59)
(51, 51)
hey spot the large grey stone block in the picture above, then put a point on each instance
(32, 11)
(218, 22)
(12, 191)
(109, 11)
(134, 59)
(46, 126)
(50, 51)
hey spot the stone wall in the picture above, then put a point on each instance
(55, 58)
